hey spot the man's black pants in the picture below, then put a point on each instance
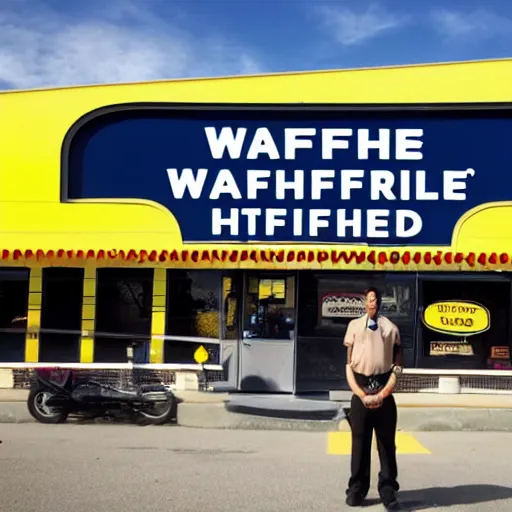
(363, 422)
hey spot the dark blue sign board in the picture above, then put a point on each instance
(303, 175)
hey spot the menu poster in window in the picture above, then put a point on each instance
(444, 348)
(498, 352)
(351, 305)
(342, 305)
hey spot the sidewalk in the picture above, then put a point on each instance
(473, 401)
(417, 411)
(465, 400)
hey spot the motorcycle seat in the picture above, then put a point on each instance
(148, 388)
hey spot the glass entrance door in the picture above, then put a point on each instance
(267, 351)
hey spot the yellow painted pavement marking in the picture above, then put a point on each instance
(340, 443)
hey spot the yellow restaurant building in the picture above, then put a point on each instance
(248, 215)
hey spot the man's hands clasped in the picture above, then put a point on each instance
(372, 401)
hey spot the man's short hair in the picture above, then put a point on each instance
(377, 294)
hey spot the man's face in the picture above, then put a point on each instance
(371, 304)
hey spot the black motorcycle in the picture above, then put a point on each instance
(53, 402)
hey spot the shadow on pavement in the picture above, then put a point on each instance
(432, 497)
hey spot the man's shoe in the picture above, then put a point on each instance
(388, 497)
(354, 499)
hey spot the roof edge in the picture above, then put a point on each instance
(256, 75)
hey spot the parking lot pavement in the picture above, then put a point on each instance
(117, 468)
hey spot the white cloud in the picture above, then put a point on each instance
(471, 25)
(351, 27)
(123, 42)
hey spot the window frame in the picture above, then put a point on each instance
(26, 273)
(219, 341)
(47, 277)
(141, 341)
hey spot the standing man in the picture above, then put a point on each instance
(374, 361)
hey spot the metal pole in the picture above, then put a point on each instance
(129, 356)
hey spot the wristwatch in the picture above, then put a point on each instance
(397, 370)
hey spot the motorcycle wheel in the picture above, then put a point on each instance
(159, 413)
(38, 409)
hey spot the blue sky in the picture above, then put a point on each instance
(65, 42)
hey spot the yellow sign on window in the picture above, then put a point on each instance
(275, 288)
(457, 318)
(201, 355)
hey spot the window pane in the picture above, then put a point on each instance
(14, 284)
(123, 306)
(193, 298)
(61, 310)
(269, 307)
(182, 352)
(193, 303)
(327, 303)
(472, 351)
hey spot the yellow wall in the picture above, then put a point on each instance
(88, 316)
(156, 347)
(33, 125)
(33, 316)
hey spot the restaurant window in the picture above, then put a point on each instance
(193, 311)
(462, 320)
(14, 286)
(61, 315)
(270, 307)
(328, 301)
(123, 314)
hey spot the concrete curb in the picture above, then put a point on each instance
(286, 408)
(216, 416)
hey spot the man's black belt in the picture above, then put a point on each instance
(372, 384)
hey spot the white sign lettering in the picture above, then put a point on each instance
(342, 306)
(317, 186)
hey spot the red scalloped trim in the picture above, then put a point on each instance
(318, 256)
